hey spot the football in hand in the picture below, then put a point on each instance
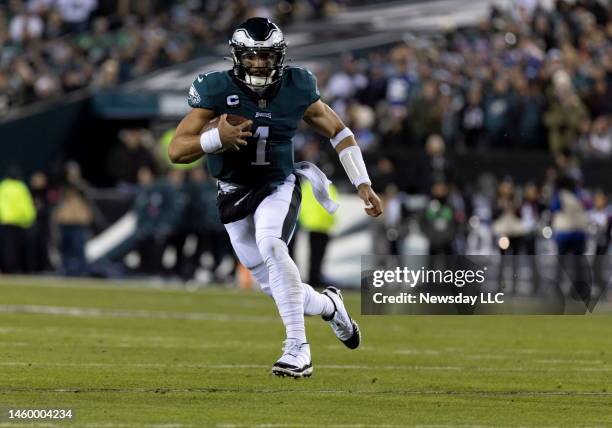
(232, 119)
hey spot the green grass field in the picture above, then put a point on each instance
(126, 354)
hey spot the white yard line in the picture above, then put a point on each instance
(147, 285)
(288, 389)
(174, 342)
(123, 313)
(407, 367)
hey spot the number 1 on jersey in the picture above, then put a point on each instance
(261, 133)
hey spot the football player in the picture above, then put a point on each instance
(258, 182)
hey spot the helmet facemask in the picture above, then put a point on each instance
(257, 67)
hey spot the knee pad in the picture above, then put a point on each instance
(272, 249)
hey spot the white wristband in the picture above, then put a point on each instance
(335, 140)
(210, 140)
(352, 161)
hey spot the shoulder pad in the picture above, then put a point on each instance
(206, 87)
(301, 77)
(305, 80)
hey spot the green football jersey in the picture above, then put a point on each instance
(268, 157)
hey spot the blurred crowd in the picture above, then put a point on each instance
(52, 47)
(45, 222)
(534, 75)
(558, 216)
(537, 75)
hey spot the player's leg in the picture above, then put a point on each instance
(242, 237)
(328, 305)
(275, 220)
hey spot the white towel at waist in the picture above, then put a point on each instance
(309, 171)
(320, 184)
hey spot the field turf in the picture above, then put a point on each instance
(130, 354)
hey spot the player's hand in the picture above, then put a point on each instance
(232, 137)
(372, 201)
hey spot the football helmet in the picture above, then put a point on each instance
(258, 50)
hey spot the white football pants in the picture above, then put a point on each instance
(260, 242)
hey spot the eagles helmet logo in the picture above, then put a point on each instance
(258, 50)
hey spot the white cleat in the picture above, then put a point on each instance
(341, 323)
(295, 361)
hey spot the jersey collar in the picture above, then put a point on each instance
(268, 95)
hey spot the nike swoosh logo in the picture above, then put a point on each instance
(241, 199)
(200, 79)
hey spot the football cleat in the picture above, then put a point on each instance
(295, 361)
(341, 323)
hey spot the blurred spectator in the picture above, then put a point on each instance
(205, 224)
(529, 110)
(530, 215)
(565, 113)
(179, 226)
(480, 236)
(387, 232)
(17, 214)
(507, 224)
(437, 167)
(597, 141)
(158, 209)
(376, 88)
(599, 100)
(438, 224)
(569, 225)
(26, 26)
(127, 158)
(345, 83)
(384, 174)
(402, 80)
(318, 223)
(471, 118)
(567, 165)
(425, 115)
(395, 133)
(499, 109)
(360, 118)
(39, 233)
(569, 220)
(600, 228)
(600, 225)
(509, 231)
(73, 216)
(75, 13)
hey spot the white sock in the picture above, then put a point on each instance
(316, 303)
(286, 286)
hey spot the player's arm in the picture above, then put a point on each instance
(190, 144)
(327, 123)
